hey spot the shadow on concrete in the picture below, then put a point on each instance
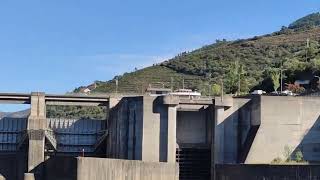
(240, 128)
(125, 124)
(161, 109)
(60, 168)
(56, 168)
(13, 165)
(310, 145)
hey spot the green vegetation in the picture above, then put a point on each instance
(74, 112)
(275, 77)
(311, 20)
(290, 157)
(216, 90)
(248, 61)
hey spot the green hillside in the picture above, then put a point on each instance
(224, 61)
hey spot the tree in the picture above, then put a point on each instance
(315, 64)
(287, 153)
(242, 82)
(216, 89)
(275, 76)
(299, 156)
(232, 77)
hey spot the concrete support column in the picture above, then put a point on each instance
(172, 133)
(36, 129)
(219, 134)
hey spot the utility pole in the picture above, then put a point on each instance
(171, 83)
(182, 83)
(222, 89)
(117, 83)
(240, 72)
(281, 77)
(239, 85)
(239, 82)
(307, 47)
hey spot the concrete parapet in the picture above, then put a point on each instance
(171, 100)
(29, 176)
(225, 101)
(112, 169)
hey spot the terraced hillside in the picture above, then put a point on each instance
(294, 48)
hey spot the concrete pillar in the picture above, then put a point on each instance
(36, 128)
(29, 176)
(150, 130)
(172, 102)
(219, 134)
(172, 136)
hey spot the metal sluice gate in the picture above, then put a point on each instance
(194, 164)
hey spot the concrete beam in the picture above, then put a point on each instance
(81, 100)
(199, 101)
(78, 100)
(171, 100)
(61, 103)
(225, 101)
(14, 98)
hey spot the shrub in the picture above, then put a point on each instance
(299, 156)
(277, 160)
(295, 88)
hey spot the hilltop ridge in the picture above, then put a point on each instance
(212, 64)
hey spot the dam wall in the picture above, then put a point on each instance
(115, 169)
(287, 124)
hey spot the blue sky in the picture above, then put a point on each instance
(55, 46)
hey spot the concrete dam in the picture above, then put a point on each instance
(168, 137)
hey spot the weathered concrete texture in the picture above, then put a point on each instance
(140, 129)
(111, 169)
(194, 127)
(227, 132)
(150, 130)
(29, 176)
(36, 127)
(191, 128)
(267, 172)
(125, 129)
(287, 121)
